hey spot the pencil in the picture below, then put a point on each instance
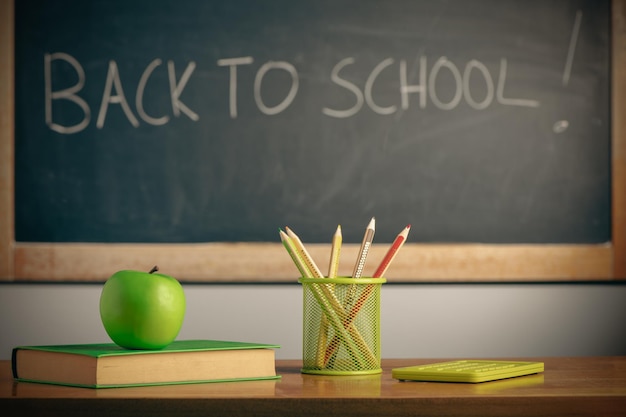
(304, 254)
(391, 253)
(333, 267)
(333, 264)
(291, 250)
(365, 247)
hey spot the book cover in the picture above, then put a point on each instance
(105, 365)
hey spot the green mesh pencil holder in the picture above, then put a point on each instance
(341, 326)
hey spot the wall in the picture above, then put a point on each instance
(428, 321)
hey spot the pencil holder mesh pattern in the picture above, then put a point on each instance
(341, 326)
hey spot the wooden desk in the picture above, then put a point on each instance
(591, 386)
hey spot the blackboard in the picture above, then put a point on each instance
(202, 121)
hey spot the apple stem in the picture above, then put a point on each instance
(154, 269)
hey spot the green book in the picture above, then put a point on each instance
(106, 365)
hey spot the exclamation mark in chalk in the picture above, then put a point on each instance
(562, 125)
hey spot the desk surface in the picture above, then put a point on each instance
(569, 386)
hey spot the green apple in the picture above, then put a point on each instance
(142, 310)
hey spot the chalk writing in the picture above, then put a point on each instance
(491, 89)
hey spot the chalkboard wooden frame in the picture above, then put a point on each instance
(268, 262)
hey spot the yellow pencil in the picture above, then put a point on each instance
(291, 250)
(304, 254)
(333, 267)
(333, 264)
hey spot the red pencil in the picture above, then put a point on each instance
(391, 253)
